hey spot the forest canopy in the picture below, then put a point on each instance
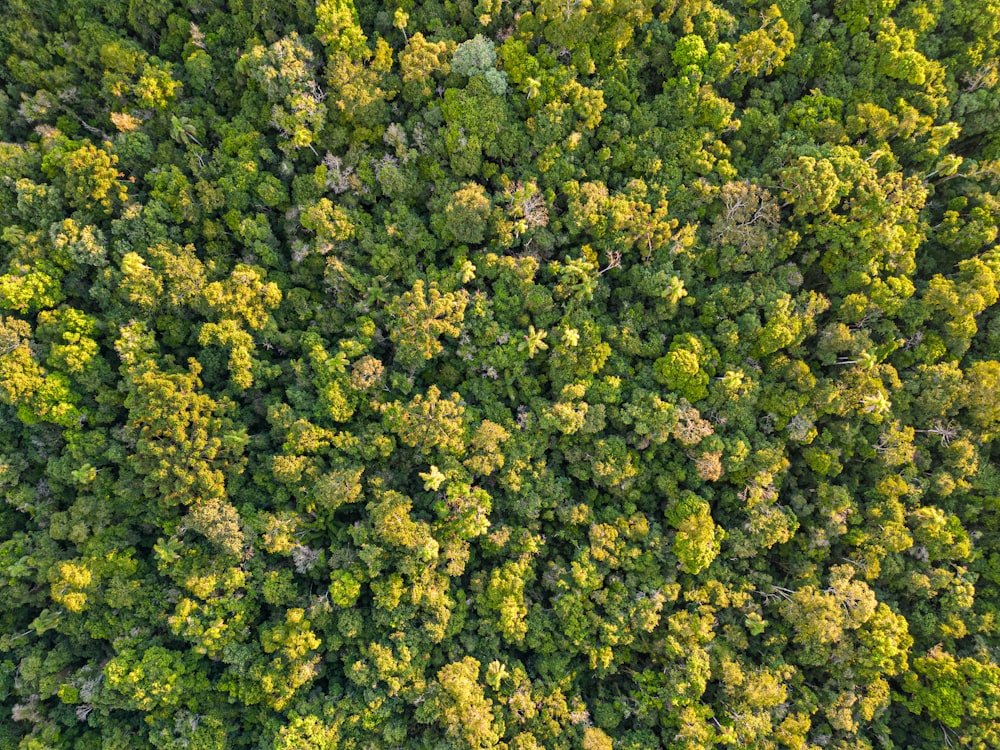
(468, 374)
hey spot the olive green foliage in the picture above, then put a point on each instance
(499, 375)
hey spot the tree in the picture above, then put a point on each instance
(951, 689)
(696, 543)
(25, 384)
(88, 174)
(748, 216)
(391, 520)
(429, 422)
(681, 368)
(477, 56)
(228, 333)
(354, 73)
(533, 342)
(812, 185)
(419, 62)
(148, 680)
(982, 380)
(765, 49)
(177, 432)
(467, 214)
(244, 295)
(961, 299)
(183, 130)
(459, 705)
(285, 73)
(420, 317)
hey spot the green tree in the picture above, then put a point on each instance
(459, 705)
(420, 317)
(87, 174)
(684, 368)
(429, 422)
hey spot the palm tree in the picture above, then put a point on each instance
(675, 290)
(182, 130)
(732, 380)
(865, 360)
(532, 342)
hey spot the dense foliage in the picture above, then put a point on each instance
(566, 374)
